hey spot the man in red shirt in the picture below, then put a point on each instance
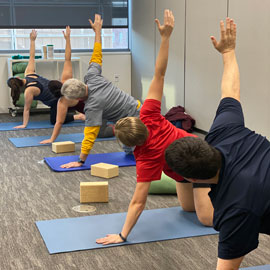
(152, 134)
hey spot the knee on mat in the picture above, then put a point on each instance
(187, 208)
(205, 219)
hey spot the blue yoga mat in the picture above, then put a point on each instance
(36, 125)
(35, 141)
(115, 158)
(260, 267)
(72, 234)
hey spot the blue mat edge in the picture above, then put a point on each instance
(119, 244)
(47, 161)
(82, 168)
(114, 245)
(258, 267)
(11, 139)
(46, 122)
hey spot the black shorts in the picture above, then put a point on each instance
(265, 225)
(196, 185)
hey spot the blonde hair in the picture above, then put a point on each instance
(131, 131)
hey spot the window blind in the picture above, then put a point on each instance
(60, 13)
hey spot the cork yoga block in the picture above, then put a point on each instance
(94, 192)
(63, 147)
(104, 170)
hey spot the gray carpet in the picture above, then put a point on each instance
(30, 191)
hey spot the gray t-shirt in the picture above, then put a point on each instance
(105, 100)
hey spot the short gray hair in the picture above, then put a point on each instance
(73, 89)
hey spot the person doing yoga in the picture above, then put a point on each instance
(36, 87)
(102, 99)
(234, 160)
(151, 134)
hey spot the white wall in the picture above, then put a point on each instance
(113, 64)
(143, 51)
(203, 63)
(253, 45)
(145, 42)
(194, 73)
(174, 83)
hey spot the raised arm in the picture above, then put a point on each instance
(230, 85)
(156, 88)
(90, 132)
(97, 52)
(67, 69)
(31, 64)
(97, 26)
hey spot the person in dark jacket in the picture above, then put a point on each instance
(234, 160)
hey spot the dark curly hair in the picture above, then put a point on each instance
(15, 84)
(193, 158)
(55, 88)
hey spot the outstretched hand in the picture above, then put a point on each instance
(227, 37)
(67, 33)
(33, 35)
(73, 164)
(97, 25)
(166, 29)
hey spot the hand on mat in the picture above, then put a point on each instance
(109, 239)
(21, 126)
(227, 37)
(46, 141)
(73, 164)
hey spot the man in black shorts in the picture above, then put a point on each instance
(234, 160)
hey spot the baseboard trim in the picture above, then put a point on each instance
(200, 131)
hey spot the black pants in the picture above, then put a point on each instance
(197, 185)
(53, 113)
(105, 130)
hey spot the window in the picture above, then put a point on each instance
(18, 39)
(17, 17)
(59, 13)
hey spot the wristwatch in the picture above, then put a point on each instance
(81, 161)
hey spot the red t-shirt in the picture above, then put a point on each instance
(150, 159)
